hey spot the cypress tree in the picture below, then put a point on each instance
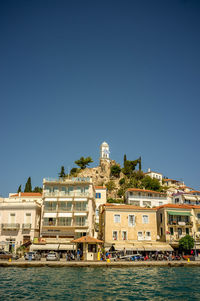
(62, 172)
(28, 186)
(124, 159)
(19, 189)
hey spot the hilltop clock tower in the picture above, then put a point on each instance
(104, 152)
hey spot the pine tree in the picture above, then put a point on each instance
(83, 162)
(28, 186)
(19, 189)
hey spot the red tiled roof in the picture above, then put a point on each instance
(27, 194)
(99, 187)
(176, 206)
(144, 190)
(112, 206)
(87, 239)
(194, 191)
(170, 180)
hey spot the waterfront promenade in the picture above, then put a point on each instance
(63, 263)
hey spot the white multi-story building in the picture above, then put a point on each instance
(145, 198)
(191, 198)
(154, 175)
(67, 213)
(19, 219)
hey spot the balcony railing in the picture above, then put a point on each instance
(84, 224)
(11, 226)
(144, 238)
(66, 194)
(179, 223)
(26, 226)
(145, 197)
(68, 180)
(81, 208)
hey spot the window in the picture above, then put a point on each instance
(161, 217)
(148, 235)
(12, 218)
(198, 215)
(50, 206)
(160, 203)
(161, 231)
(140, 236)
(124, 235)
(65, 206)
(116, 218)
(28, 218)
(64, 221)
(80, 206)
(179, 231)
(187, 231)
(98, 195)
(171, 231)
(131, 220)
(145, 219)
(80, 221)
(114, 235)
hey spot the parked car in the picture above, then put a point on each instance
(52, 256)
(5, 255)
(32, 256)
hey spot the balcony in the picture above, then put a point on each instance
(79, 225)
(180, 223)
(26, 226)
(83, 209)
(66, 194)
(12, 226)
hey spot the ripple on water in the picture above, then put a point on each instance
(100, 283)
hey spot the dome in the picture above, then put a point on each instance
(104, 144)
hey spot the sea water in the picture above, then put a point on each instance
(73, 283)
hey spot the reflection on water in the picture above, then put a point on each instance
(100, 283)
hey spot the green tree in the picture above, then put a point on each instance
(186, 243)
(62, 172)
(83, 162)
(110, 186)
(19, 189)
(115, 170)
(122, 181)
(28, 186)
(74, 171)
(37, 189)
(151, 184)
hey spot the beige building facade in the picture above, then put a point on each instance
(131, 227)
(19, 219)
(174, 222)
(68, 212)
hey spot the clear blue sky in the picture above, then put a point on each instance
(76, 73)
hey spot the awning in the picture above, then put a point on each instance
(190, 197)
(179, 213)
(51, 247)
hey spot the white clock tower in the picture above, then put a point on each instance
(104, 151)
